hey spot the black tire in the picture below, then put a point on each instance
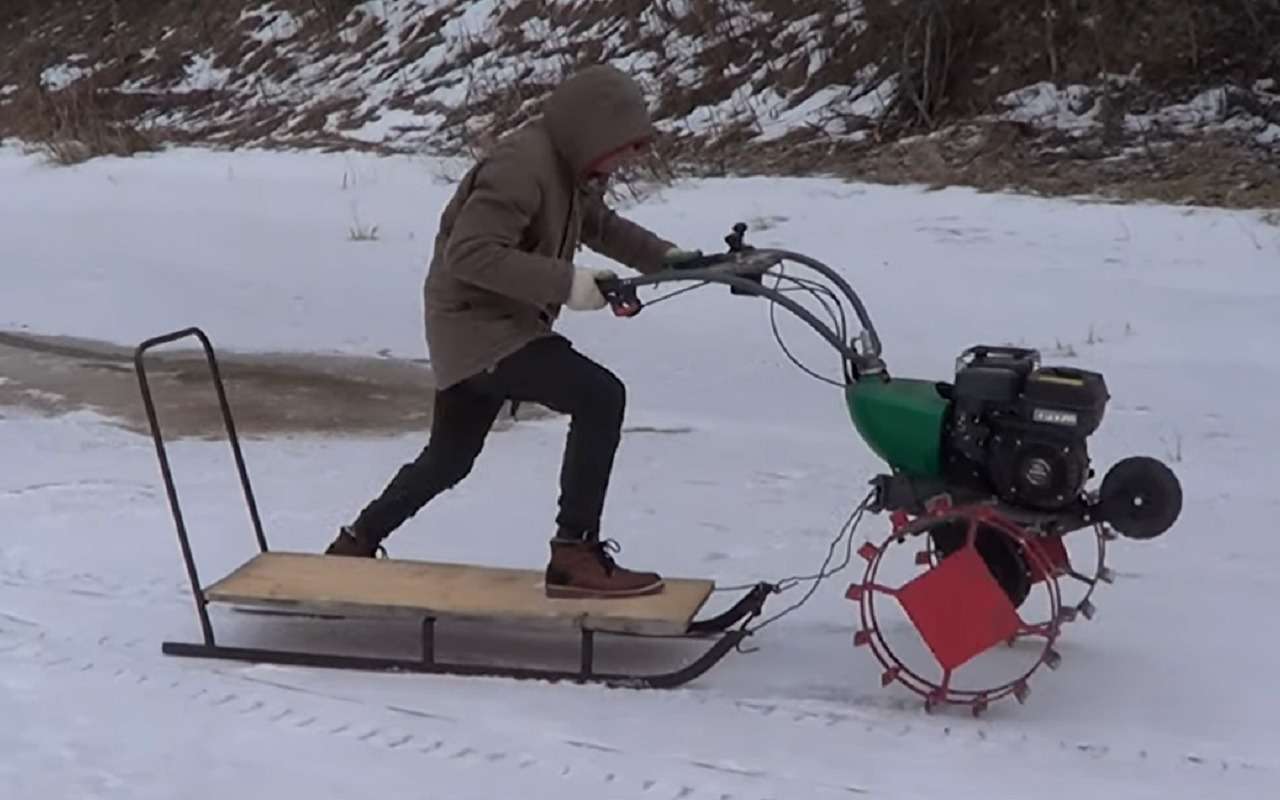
(1140, 497)
(1000, 554)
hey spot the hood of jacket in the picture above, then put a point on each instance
(593, 113)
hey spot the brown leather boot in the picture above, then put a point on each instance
(351, 542)
(584, 568)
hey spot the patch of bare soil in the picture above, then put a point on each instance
(1222, 170)
(270, 394)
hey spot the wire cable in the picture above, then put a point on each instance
(815, 290)
(846, 535)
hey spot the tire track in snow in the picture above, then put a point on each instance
(780, 710)
(960, 736)
(88, 584)
(437, 737)
(139, 488)
(966, 734)
(14, 619)
(74, 582)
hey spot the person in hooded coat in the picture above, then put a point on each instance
(501, 270)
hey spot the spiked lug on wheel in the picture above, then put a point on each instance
(964, 603)
(1082, 606)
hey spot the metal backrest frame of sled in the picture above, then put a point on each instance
(313, 584)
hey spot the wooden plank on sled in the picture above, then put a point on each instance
(401, 588)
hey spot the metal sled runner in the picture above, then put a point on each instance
(397, 589)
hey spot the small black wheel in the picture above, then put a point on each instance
(1140, 497)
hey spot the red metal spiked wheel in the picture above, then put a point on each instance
(964, 604)
(1101, 573)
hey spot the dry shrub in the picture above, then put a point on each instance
(79, 122)
(954, 57)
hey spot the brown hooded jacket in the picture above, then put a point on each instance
(503, 259)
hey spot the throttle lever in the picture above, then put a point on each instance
(622, 297)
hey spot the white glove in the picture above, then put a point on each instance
(584, 295)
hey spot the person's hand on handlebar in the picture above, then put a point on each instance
(584, 293)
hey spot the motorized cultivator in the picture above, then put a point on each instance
(987, 479)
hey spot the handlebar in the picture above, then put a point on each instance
(621, 292)
(742, 269)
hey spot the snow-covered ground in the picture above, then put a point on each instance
(737, 466)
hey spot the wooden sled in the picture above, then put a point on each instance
(396, 589)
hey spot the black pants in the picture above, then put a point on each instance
(547, 371)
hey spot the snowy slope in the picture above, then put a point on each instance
(441, 75)
(737, 467)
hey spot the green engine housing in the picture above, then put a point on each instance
(902, 421)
